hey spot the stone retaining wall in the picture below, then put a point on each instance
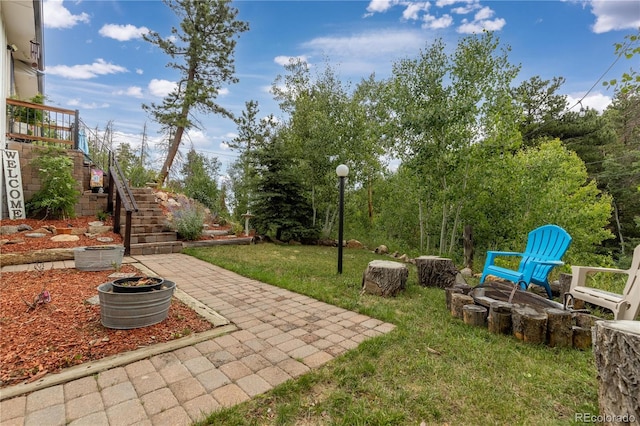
(89, 203)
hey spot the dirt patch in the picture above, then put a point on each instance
(67, 331)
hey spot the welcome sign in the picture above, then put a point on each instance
(13, 183)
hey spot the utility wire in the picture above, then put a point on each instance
(622, 50)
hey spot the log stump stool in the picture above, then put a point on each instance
(615, 348)
(529, 325)
(474, 315)
(384, 278)
(458, 301)
(499, 321)
(559, 328)
(434, 271)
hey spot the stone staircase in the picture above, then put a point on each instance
(150, 233)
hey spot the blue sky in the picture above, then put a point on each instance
(97, 62)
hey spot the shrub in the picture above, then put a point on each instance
(188, 219)
(58, 194)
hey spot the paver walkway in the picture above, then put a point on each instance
(281, 335)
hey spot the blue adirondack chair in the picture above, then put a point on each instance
(545, 247)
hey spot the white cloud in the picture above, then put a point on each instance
(122, 32)
(286, 60)
(161, 88)
(484, 13)
(444, 3)
(139, 71)
(413, 10)
(433, 23)
(223, 92)
(85, 71)
(368, 44)
(133, 91)
(377, 6)
(83, 105)
(58, 16)
(615, 15)
(478, 26)
(596, 101)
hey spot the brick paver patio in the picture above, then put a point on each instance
(280, 335)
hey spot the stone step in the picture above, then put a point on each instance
(144, 220)
(153, 210)
(156, 248)
(156, 237)
(148, 229)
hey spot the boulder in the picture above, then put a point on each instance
(65, 237)
(382, 249)
(354, 244)
(8, 230)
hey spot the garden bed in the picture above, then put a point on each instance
(67, 331)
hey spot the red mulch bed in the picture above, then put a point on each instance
(67, 331)
(19, 243)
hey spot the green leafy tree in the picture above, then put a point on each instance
(200, 179)
(537, 186)
(443, 107)
(201, 50)
(629, 82)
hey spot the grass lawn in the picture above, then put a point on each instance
(432, 368)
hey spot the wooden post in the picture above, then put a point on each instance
(474, 315)
(499, 321)
(559, 331)
(384, 278)
(529, 325)
(468, 246)
(458, 301)
(615, 348)
(434, 271)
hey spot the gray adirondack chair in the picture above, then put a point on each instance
(625, 306)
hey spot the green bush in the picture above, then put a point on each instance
(188, 219)
(58, 194)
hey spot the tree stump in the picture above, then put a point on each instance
(384, 278)
(529, 325)
(458, 301)
(564, 280)
(499, 321)
(581, 337)
(615, 348)
(434, 271)
(559, 331)
(448, 292)
(474, 315)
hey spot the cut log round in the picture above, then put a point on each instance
(458, 301)
(474, 315)
(499, 321)
(615, 348)
(529, 325)
(448, 292)
(559, 332)
(581, 337)
(384, 278)
(434, 271)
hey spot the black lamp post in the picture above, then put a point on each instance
(342, 171)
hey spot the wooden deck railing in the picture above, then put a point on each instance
(37, 123)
